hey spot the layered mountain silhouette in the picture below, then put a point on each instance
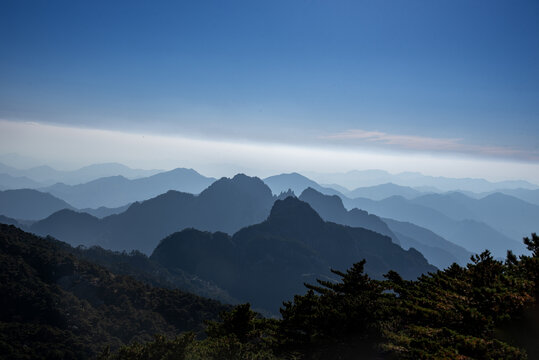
(226, 205)
(506, 214)
(331, 208)
(29, 204)
(269, 262)
(47, 175)
(297, 183)
(438, 251)
(104, 211)
(528, 195)
(9, 221)
(365, 178)
(472, 235)
(383, 191)
(9, 182)
(116, 191)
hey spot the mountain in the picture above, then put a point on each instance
(9, 221)
(506, 214)
(58, 306)
(47, 175)
(116, 191)
(226, 205)
(363, 178)
(268, 263)
(8, 182)
(29, 204)
(331, 208)
(383, 191)
(297, 183)
(437, 250)
(531, 196)
(472, 235)
(83, 228)
(103, 211)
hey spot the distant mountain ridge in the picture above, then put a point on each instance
(29, 204)
(506, 214)
(297, 183)
(331, 208)
(47, 175)
(383, 191)
(9, 182)
(438, 251)
(117, 191)
(472, 235)
(226, 205)
(365, 178)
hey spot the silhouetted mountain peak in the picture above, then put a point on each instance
(239, 185)
(284, 194)
(333, 202)
(70, 215)
(293, 210)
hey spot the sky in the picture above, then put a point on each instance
(443, 87)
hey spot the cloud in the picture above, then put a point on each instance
(71, 147)
(428, 144)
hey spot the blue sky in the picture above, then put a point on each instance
(439, 77)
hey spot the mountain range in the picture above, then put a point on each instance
(226, 205)
(268, 262)
(437, 250)
(116, 191)
(46, 175)
(470, 234)
(366, 178)
(506, 214)
(297, 183)
(29, 204)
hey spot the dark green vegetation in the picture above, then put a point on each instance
(57, 304)
(54, 305)
(267, 263)
(486, 310)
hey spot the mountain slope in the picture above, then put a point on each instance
(29, 204)
(435, 248)
(331, 208)
(508, 215)
(297, 183)
(8, 182)
(48, 175)
(383, 191)
(472, 235)
(268, 263)
(226, 205)
(362, 178)
(55, 305)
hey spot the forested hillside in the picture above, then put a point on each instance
(56, 306)
(486, 310)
